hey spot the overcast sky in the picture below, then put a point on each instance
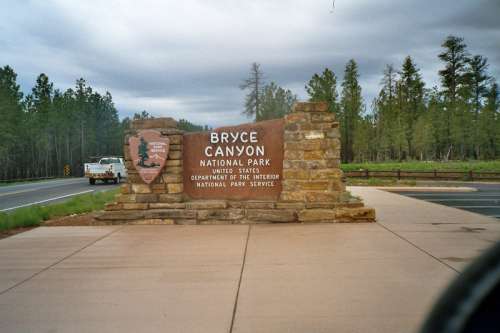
(185, 59)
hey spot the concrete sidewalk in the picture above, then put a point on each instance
(379, 277)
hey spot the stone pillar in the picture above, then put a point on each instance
(311, 165)
(137, 197)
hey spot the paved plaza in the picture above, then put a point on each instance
(367, 277)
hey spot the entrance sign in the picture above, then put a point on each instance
(239, 163)
(149, 151)
(273, 171)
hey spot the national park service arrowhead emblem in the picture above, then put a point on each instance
(149, 151)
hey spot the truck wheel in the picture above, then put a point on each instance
(91, 181)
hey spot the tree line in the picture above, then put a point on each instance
(47, 129)
(407, 120)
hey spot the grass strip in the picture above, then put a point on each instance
(380, 182)
(32, 216)
(425, 166)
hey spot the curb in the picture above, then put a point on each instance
(460, 189)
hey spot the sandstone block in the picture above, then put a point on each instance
(292, 196)
(172, 178)
(146, 198)
(322, 117)
(292, 136)
(361, 214)
(294, 154)
(333, 162)
(134, 178)
(167, 205)
(175, 139)
(159, 123)
(221, 214)
(170, 198)
(325, 205)
(313, 135)
(353, 204)
(173, 163)
(290, 205)
(313, 185)
(297, 117)
(171, 131)
(129, 165)
(272, 215)
(321, 196)
(317, 215)
(216, 222)
(171, 214)
(310, 107)
(141, 188)
(126, 198)
(295, 174)
(259, 204)
(173, 170)
(121, 215)
(153, 221)
(291, 127)
(125, 189)
(174, 155)
(314, 155)
(114, 206)
(126, 153)
(329, 173)
(175, 188)
(332, 153)
(134, 206)
(207, 204)
(236, 204)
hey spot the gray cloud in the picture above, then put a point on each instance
(186, 58)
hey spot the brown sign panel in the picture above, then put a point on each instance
(149, 151)
(240, 163)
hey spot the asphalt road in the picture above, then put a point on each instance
(485, 201)
(46, 192)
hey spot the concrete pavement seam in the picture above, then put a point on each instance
(418, 248)
(59, 261)
(235, 307)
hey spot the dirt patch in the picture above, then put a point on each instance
(12, 232)
(73, 220)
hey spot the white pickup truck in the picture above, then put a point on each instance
(108, 168)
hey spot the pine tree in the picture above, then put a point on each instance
(477, 80)
(323, 88)
(489, 123)
(412, 103)
(453, 78)
(351, 108)
(254, 83)
(276, 102)
(12, 118)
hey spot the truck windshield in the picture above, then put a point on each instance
(109, 160)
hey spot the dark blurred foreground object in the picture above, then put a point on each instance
(472, 302)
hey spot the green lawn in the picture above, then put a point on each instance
(34, 215)
(426, 166)
(380, 182)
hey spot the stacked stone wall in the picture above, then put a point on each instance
(313, 186)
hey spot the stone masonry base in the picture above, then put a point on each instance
(235, 212)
